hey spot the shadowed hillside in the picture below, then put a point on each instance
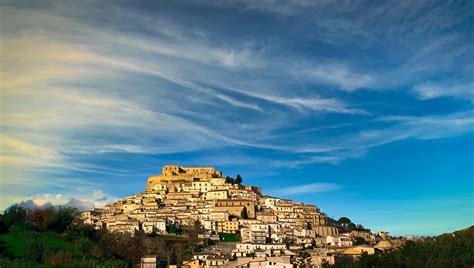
(446, 250)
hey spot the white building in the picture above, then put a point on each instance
(339, 241)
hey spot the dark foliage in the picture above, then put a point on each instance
(345, 220)
(348, 225)
(448, 250)
(244, 214)
(229, 180)
(54, 237)
(238, 179)
(62, 218)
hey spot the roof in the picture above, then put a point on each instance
(384, 244)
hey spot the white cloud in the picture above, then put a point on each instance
(302, 104)
(336, 148)
(31, 150)
(339, 75)
(238, 103)
(307, 189)
(83, 200)
(431, 90)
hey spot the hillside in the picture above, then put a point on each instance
(181, 196)
(447, 250)
(192, 215)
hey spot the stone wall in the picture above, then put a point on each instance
(171, 174)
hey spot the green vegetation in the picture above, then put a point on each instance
(229, 237)
(173, 229)
(55, 238)
(15, 244)
(448, 250)
(303, 259)
(229, 180)
(345, 220)
(50, 238)
(348, 225)
(238, 179)
(244, 214)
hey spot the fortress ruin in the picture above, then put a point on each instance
(171, 174)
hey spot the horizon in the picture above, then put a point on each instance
(363, 110)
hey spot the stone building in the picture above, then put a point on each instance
(181, 196)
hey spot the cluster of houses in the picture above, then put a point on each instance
(269, 230)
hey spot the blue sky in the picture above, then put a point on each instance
(363, 109)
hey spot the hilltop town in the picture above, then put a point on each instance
(250, 229)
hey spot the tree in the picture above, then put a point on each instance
(61, 220)
(345, 220)
(193, 234)
(360, 227)
(229, 180)
(125, 246)
(244, 213)
(15, 215)
(448, 250)
(303, 259)
(359, 241)
(41, 217)
(238, 179)
(3, 225)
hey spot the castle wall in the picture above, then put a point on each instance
(173, 174)
(231, 203)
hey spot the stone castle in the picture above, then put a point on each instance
(174, 174)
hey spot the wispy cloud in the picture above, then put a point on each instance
(431, 90)
(82, 95)
(311, 188)
(28, 148)
(338, 75)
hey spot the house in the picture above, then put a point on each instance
(149, 261)
(339, 241)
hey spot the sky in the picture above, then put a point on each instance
(362, 108)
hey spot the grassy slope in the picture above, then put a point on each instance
(228, 237)
(18, 246)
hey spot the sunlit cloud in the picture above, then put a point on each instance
(28, 148)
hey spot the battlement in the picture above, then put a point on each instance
(207, 172)
(172, 173)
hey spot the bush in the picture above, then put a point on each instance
(16, 215)
(449, 250)
(62, 218)
(228, 237)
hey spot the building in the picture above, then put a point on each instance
(182, 196)
(228, 226)
(235, 206)
(339, 241)
(149, 261)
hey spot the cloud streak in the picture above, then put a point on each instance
(311, 188)
(338, 75)
(431, 90)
